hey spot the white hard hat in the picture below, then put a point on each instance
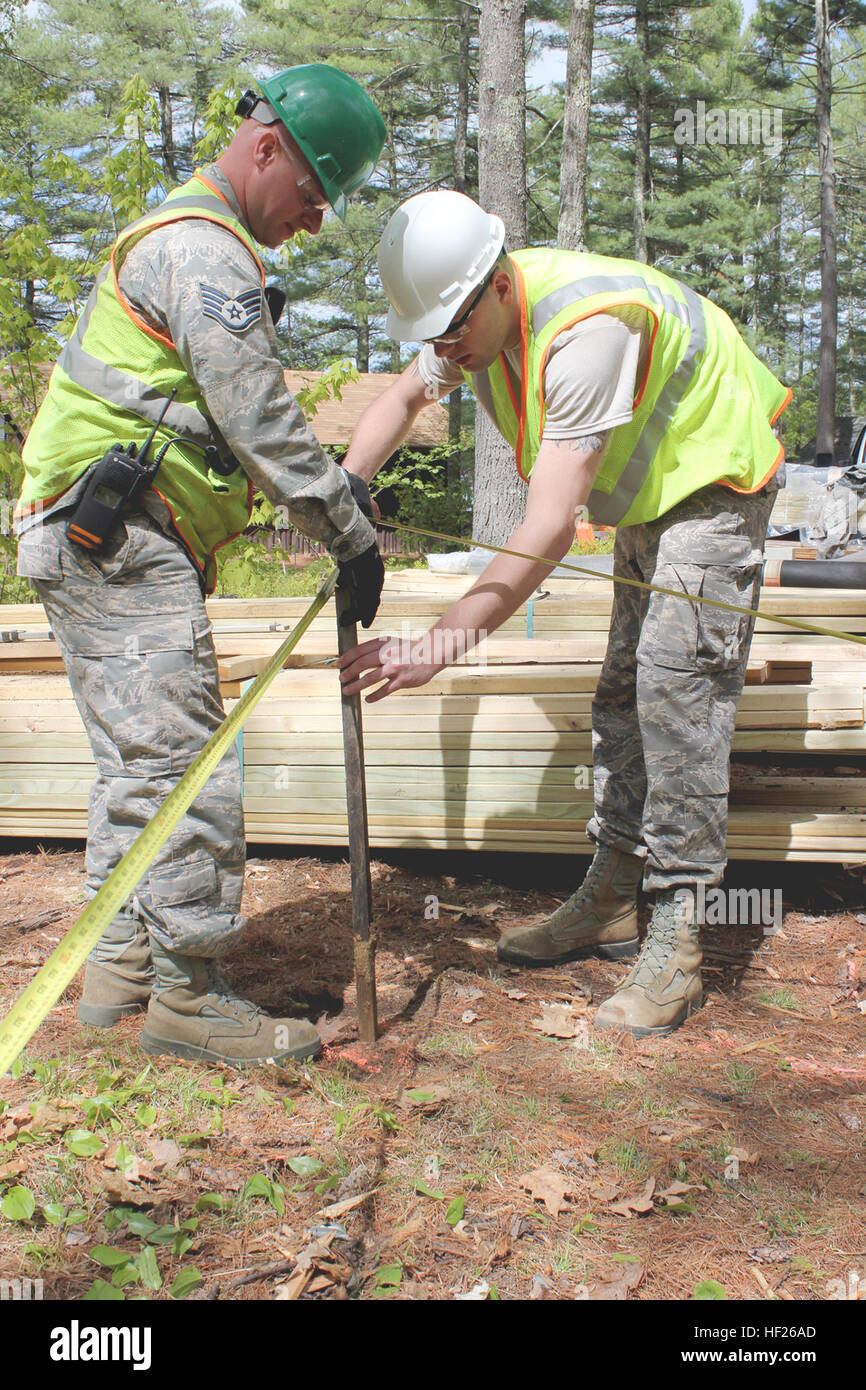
(436, 248)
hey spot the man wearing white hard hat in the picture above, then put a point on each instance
(624, 393)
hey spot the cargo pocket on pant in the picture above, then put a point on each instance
(694, 636)
(723, 636)
(39, 555)
(144, 694)
(669, 634)
(181, 901)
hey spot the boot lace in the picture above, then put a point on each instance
(219, 986)
(660, 942)
(594, 872)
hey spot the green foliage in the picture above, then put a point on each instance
(428, 494)
(387, 1279)
(709, 1289)
(455, 1211)
(131, 173)
(260, 1185)
(18, 1204)
(220, 123)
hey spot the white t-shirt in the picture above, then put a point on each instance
(589, 377)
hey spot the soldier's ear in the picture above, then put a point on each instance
(265, 148)
(503, 285)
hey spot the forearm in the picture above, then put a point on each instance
(280, 453)
(379, 432)
(507, 582)
(561, 483)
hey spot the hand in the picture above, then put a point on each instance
(363, 577)
(361, 494)
(400, 664)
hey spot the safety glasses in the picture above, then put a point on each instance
(310, 188)
(460, 327)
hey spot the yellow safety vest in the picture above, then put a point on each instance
(703, 412)
(110, 385)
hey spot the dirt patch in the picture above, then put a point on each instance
(471, 1152)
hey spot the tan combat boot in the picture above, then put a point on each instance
(119, 975)
(664, 985)
(600, 919)
(195, 1013)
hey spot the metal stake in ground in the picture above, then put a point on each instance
(359, 845)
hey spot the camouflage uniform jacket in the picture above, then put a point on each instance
(239, 374)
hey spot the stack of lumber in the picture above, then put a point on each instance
(495, 753)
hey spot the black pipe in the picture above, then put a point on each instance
(816, 574)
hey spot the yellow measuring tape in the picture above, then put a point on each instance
(633, 583)
(31, 1007)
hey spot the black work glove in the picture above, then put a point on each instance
(361, 494)
(363, 577)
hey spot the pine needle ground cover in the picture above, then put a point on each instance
(492, 1145)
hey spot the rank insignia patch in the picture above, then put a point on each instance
(237, 313)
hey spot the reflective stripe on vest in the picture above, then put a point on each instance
(609, 508)
(126, 391)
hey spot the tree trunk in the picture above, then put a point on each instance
(461, 120)
(461, 127)
(825, 445)
(361, 315)
(396, 364)
(363, 340)
(500, 494)
(642, 132)
(575, 134)
(166, 130)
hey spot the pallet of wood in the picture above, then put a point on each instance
(493, 754)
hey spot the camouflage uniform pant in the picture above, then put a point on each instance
(663, 714)
(131, 626)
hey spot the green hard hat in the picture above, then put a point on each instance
(334, 123)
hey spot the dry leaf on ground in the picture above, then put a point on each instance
(604, 1191)
(672, 1196)
(165, 1153)
(116, 1189)
(338, 1209)
(638, 1205)
(549, 1187)
(616, 1288)
(52, 1118)
(557, 1021)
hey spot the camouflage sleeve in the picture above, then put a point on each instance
(200, 284)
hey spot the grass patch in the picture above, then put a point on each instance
(625, 1155)
(270, 575)
(741, 1077)
(778, 998)
(446, 1044)
(656, 1109)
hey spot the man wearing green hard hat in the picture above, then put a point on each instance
(176, 350)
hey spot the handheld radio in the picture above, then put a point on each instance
(116, 480)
